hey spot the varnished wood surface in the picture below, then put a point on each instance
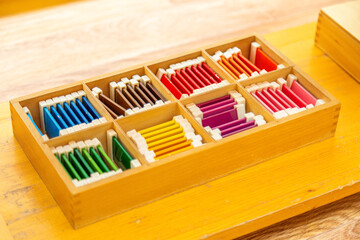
(31, 213)
(9, 7)
(83, 39)
(4, 231)
(345, 15)
(339, 37)
(336, 221)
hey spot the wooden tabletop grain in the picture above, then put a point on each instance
(43, 57)
(88, 38)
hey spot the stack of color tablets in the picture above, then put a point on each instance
(130, 96)
(190, 77)
(225, 116)
(283, 98)
(240, 68)
(67, 114)
(86, 161)
(165, 139)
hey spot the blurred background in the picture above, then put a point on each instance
(45, 44)
(10, 7)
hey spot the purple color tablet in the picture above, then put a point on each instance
(231, 124)
(220, 118)
(217, 104)
(217, 110)
(212, 101)
(241, 130)
(237, 128)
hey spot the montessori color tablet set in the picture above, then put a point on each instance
(116, 141)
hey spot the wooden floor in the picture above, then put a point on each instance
(82, 39)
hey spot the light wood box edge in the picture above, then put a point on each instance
(327, 26)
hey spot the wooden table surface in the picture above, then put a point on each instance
(30, 212)
(83, 39)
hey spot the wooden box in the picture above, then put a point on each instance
(134, 187)
(338, 35)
